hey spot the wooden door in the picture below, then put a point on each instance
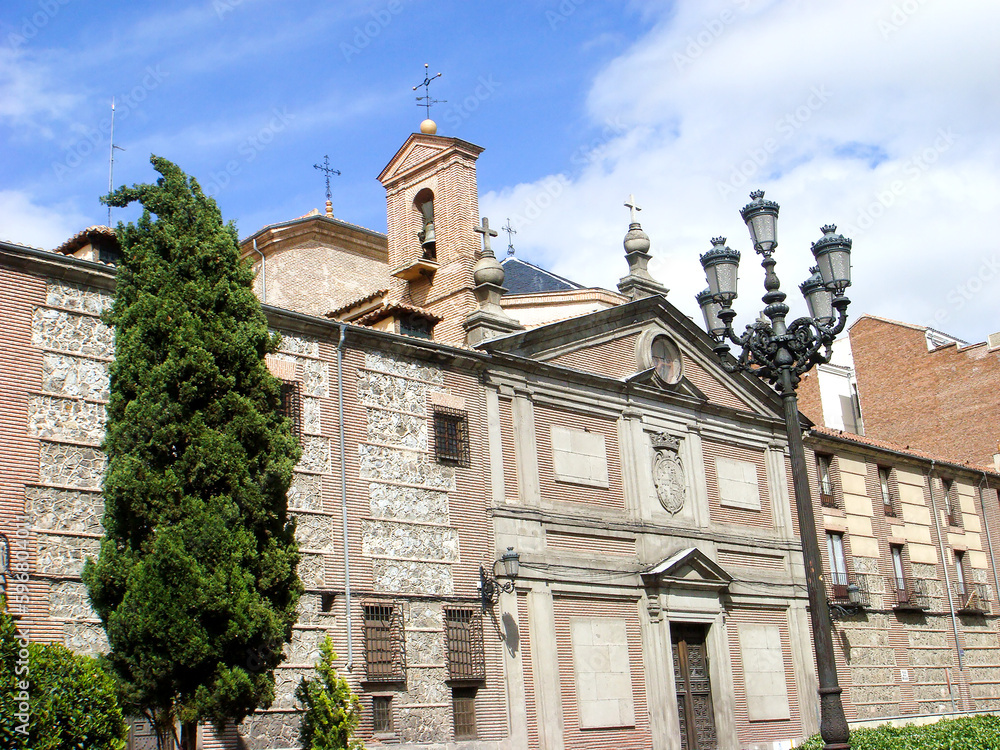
(694, 691)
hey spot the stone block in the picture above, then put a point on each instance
(426, 615)
(423, 724)
(426, 685)
(71, 420)
(872, 656)
(292, 344)
(71, 466)
(312, 416)
(409, 368)
(930, 657)
(927, 638)
(884, 693)
(316, 533)
(285, 682)
(875, 676)
(63, 556)
(859, 526)
(859, 638)
(311, 612)
(980, 639)
(75, 377)
(85, 638)
(59, 293)
(312, 570)
(392, 464)
(865, 565)
(404, 577)
(381, 391)
(68, 600)
(425, 647)
(877, 710)
(269, 731)
(408, 503)
(851, 483)
(315, 378)
(858, 505)
(71, 333)
(49, 509)
(405, 430)
(305, 492)
(393, 539)
(304, 648)
(315, 455)
(922, 554)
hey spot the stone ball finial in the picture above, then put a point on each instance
(636, 241)
(428, 127)
(488, 271)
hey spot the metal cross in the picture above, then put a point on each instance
(510, 231)
(326, 168)
(487, 233)
(632, 206)
(426, 98)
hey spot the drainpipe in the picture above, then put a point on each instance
(263, 275)
(947, 578)
(989, 541)
(343, 496)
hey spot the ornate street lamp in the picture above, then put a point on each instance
(490, 587)
(781, 353)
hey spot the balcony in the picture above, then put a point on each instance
(906, 594)
(972, 599)
(848, 594)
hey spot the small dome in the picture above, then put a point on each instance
(636, 240)
(428, 127)
(488, 271)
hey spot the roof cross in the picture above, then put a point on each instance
(632, 207)
(425, 100)
(487, 233)
(510, 232)
(326, 168)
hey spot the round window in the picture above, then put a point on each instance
(666, 360)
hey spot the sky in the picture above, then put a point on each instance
(880, 117)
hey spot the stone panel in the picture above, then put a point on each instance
(425, 685)
(426, 615)
(75, 377)
(406, 430)
(927, 638)
(312, 570)
(71, 466)
(298, 345)
(872, 656)
(874, 693)
(305, 647)
(315, 532)
(866, 637)
(63, 556)
(85, 638)
(425, 647)
(873, 675)
(315, 378)
(980, 639)
(423, 724)
(71, 297)
(74, 334)
(63, 510)
(66, 419)
(403, 577)
(68, 600)
(391, 539)
(376, 462)
(312, 416)
(305, 492)
(285, 682)
(402, 366)
(315, 455)
(377, 390)
(267, 731)
(930, 657)
(311, 612)
(408, 503)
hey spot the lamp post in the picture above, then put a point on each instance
(489, 585)
(781, 353)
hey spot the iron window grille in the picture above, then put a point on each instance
(464, 629)
(385, 643)
(382, 713)
(291, 405)
(463, 704)
(451, 436)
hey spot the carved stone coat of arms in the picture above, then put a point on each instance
(668, 472)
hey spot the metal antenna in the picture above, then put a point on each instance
(425, 100)
(326, 168)
(111, 161)
(510, 231)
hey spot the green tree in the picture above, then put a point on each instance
(332, 710)
(196, 582)
(53, 699)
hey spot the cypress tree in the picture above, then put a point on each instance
(196, 582)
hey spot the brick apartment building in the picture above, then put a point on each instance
(660, 601)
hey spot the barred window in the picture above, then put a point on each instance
(463, 704)
(465, 644)
(385, 652)
(884, 477)
(382, 713)
(291, 405)
(824, 466)
(451, 436)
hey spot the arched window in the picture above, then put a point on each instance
(424, 203)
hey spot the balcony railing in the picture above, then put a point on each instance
(848, 593)
(972, 598)
(905, 593)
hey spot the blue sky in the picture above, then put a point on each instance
(878, 116)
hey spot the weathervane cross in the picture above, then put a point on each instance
(487, 233)
(510, 232)
(632, 206)
(326, 168)
(425, 100)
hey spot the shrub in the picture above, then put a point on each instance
(332, 710)
(966, 733)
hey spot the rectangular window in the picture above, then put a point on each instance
(382, 713)
(838, 564)
(451, 436)
(951, 505)
(960, 573)
(888, 505)
(824, 464)
(291, 405)
(463, 704)
(464, 630)
(385, 655)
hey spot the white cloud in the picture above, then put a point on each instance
(875, 119)
(27, 223)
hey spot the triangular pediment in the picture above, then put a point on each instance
(688, 567)
(618, 343)
(420, 149)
